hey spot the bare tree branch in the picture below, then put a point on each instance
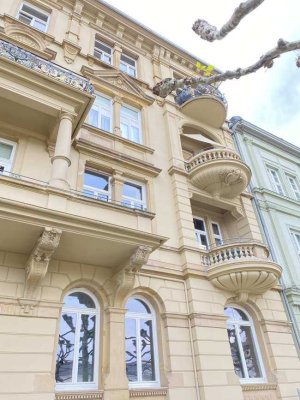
(210, 33)
(166, 86)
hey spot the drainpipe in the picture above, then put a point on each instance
(289, 311)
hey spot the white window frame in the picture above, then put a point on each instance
(294, 234)
(131, 123)
(215, 236)
(103, 52)
(237, 323)
(198, 232)
(102, 110)
(294, 186)
(4, 163)
(276, 181)
(96, 191)
(133, 201)
(128, 66)
(33, 17)
(137, 317)
(80, 386)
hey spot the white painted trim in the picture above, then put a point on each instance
(236, 324)
(138, 317)
(47, 14)
(12, 157)
(142, 202)
(100, 107)
(91, 311)
(139, 124)
(205, 233)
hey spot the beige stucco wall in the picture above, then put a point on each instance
(98, 239)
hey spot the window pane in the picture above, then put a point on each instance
(79, 300)
(127, 60)
(103, 47)
(199, 224)
(131, 71)
(86, 360)
(97, 181)
(5, 151)
(131, 351)
(215, 228)
(65, 349)
(133, 191)
(130, 113)
(137, 306)
(123, 67)
(235, 314)
(235, 353)
(25, 19)
(35, 13)
(93, 117)
(39, 25)
(147, 351)
(135, 134)
(249, 352)
(105, 123)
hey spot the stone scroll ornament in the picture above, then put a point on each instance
(38, 64)
(37, 264)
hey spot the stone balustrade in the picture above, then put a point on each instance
(211, 155)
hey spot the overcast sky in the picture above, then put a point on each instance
(269, 98)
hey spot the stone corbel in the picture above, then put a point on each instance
(123, 280)
(71, 51)
(237, 213)
(37, 264)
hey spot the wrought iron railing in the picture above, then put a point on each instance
(38, 64)
(187, 93)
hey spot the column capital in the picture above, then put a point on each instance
(67, 115)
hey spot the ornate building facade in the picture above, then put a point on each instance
(275, 185)
(131, 263)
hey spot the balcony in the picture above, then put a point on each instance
(38, 91)
(95, 231)
(219, 172)
(242, 268)
(205, 103)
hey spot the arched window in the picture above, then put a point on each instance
(141, 345)
(77, 350)
(244, 347)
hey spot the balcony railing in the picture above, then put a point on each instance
(211, 155)
(135, 206)
(187, 93)
(38, 64)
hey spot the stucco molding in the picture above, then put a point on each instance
(37, 264)
(259, 387)
(79, 396)
(148, 392)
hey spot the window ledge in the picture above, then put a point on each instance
(79, 396)
(248, 387)
(148, 392)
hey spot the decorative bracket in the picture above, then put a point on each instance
(123, 280)
(37, 264)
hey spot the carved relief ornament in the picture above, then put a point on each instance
(37, 264)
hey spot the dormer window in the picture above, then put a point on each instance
(128, 65)
(33, 16)
(103, 51)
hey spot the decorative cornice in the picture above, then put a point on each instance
(148, 392)
(259, 387)
(79, 396)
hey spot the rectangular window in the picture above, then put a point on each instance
(100, 114)
(102, 51)
(134, 196)
(97, 186)
(33, 16)
(217, 234)
(294, 187)
(296, 239)
(7, 151)
(128, 65)
(275, 180)
(130, 124)
(201, 232)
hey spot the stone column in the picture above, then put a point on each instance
(117, 187)
(115, 381)
(117, 103)
(61, 160)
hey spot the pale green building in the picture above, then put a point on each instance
(275, 184)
